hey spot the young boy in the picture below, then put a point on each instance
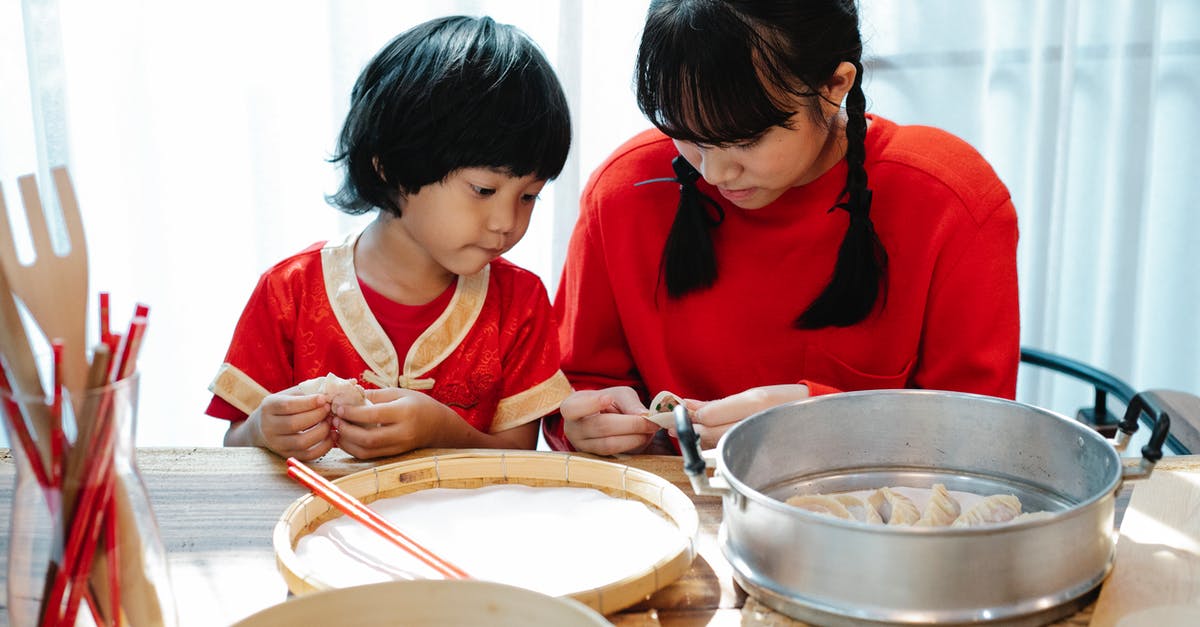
(454, 128)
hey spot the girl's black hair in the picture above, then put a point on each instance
(722, 72)
(452, 93)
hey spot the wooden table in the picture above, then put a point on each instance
(216, 509)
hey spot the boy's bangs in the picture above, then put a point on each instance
(523, 126)
(705, 85)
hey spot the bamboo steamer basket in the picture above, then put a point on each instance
(474, 470)
(427, 603)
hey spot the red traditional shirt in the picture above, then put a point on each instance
(947, 319)
(490, 355)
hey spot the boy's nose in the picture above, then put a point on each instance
(503, 219)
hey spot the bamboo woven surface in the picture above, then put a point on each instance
(217, 507)
(477, 469)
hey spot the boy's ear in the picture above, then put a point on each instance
(839, 83)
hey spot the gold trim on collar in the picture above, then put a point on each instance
(531, 404)
(370, 340)
(237, 388)
(448, 331)
(354, 315)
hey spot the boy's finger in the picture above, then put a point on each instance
(286, 404)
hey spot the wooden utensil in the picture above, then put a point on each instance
(54, 287)
(17, 355)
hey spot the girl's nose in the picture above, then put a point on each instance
(717, 167)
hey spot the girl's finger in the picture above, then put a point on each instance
(585, 403)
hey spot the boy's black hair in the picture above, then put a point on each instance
(722, 72)
(452, 93)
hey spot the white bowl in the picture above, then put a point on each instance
(427, 603)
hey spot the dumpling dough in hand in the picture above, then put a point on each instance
(340, 391)
(893, 508)
(993, 509)
(662, 409)
(941, 510)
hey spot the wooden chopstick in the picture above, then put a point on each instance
(355, 509)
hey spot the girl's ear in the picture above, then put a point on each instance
(835, 89)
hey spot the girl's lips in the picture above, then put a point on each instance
(736, 194)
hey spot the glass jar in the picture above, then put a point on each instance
(88, 514)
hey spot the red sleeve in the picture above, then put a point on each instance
(971, 338)
(818, 389)
(220, 408)
(556, 437)
(595, 352)
(261, 346)
(532, 355)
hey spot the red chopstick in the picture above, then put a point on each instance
(58, 441)
(355, 509)
(93, 498)
(17, 421)
(104, 329)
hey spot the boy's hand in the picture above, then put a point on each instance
(606, 422)
(292, 424)
(397, 421)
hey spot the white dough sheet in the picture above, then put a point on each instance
(553, 540)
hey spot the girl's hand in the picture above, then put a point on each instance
(289, 423)
(396, 421)
(606, 422)
(712, 419)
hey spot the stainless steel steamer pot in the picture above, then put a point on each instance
(837, 572)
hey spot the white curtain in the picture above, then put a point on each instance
(197, 134)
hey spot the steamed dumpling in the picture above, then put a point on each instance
(992, 509)
(859, 509)
(821, 504)
(941, 510)
(894, 508)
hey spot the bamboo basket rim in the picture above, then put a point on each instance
(477, 469)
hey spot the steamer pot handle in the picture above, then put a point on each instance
(695, 464)
(1152, 451)
(689, 442)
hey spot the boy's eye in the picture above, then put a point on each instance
(482, 191)
(529, 197)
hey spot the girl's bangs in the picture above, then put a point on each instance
(704, 85)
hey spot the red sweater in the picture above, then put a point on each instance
(948, 319)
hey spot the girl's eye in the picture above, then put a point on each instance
(748, 144)
(482, 191)
(530, 197)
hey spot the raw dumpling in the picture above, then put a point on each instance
(859, 509)
(893, 508)
(661, 409)
(992, 509)
(941, 510)
(1033, 516)
(821, 504)
(341, 391)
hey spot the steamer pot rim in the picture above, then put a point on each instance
(740, 488)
